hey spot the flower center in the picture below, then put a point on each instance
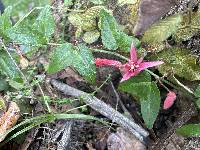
(133, 66)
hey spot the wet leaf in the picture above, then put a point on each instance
(148, 94)
(162, 29)
(190, 130)
(180, 62)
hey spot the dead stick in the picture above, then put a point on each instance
(104, 109)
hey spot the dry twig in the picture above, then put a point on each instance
(104, 109)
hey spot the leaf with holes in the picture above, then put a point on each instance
(162, 29)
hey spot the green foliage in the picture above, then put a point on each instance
(190, 26)
(91, 36)
(3, 85)
(7, 66)
(191, 130)
(147, 92)
(180, 62)
(2, 104)
(5, 22)
(37, 34)
(197, 94)
(112, 37)
(22, 7)
(35, 121)
(162, 29)
(79, 57)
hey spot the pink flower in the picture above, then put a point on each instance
(133, 67)
(169, 101)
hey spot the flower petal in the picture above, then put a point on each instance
(145, 65)
(130, 74)
(133, 53)
(141, 58)
(107, 62)
(169, 101)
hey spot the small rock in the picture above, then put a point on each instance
(123, 140)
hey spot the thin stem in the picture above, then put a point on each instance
(97, 89)
(112, 53)
(183, 86)
(45, 101)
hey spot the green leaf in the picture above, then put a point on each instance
(198, 103)
(5, 22)
(112, 37)
(85, 65)
(162, 29)
(197, 94)
(108, 27)
(191, 130)
(91, 36)
(197, 91)
(7, 66)
(62, 57)
(27, 36)
(190, 26)
(180, 62)
(37, 34)
(44, 23)
(3, 85)
(22, 7)
(79, 57)
(147, 92)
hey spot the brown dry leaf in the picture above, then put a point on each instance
(23, 63)
(149, 12)
(9, 119)
(123, 140)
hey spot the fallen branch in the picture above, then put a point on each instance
(104, 109)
